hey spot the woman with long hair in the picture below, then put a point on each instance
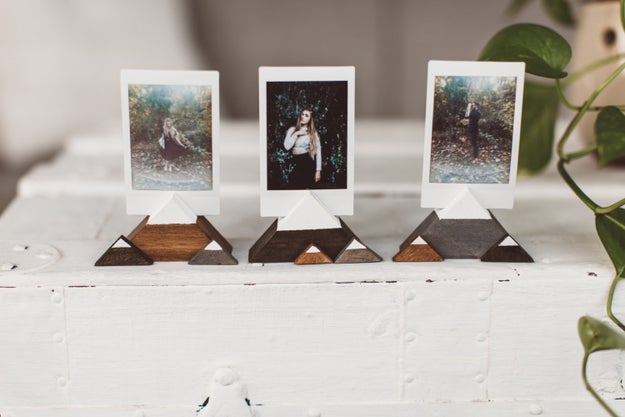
(305, 146)
(172, 147)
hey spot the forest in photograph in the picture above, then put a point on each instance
(466, 148)
(190, 109)
(328, 102)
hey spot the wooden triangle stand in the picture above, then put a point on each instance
(464, 230)
(310, 234)
(174, 234)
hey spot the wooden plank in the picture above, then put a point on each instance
(535, 349)
(446, 343)
(33, 348)
(304, 343)
(512, 408)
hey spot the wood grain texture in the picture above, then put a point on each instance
(213, 257)
(210, 231)
(176, 242)
(506, 254)
(355, 256)
(130, 255)
(458, 238)
(417, 253)
(312, 255)
(286, 245)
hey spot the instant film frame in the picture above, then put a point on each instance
(283, 93)
(454, 134)
(191, 100)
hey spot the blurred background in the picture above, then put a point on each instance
(60, 59)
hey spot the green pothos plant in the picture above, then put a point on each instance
(546, 55)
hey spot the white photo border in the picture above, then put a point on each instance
(279, 203)
(441, 195)
(148, 202)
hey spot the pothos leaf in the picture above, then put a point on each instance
(611, 230)
(543, 50)
(560, 11)
(540, 110)
(596, 335)
(610, 134)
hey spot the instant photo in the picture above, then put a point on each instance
(472, 132)
(170, 137)
(170, 124)
(306, 134)
(306, 121)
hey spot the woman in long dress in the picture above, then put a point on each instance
(173, 148)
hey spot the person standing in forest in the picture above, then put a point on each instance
(474, 129)
(303, 142)
(172, 147)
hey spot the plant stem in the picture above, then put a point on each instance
(581, 153)
(609, 209)
(590, 68)
(573, 124)
(573, 186)
(560, 90)
(591, 390)
(611, 315)
(563, 99)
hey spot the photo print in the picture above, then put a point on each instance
(170, 125)
(306, 137)
(472, 132)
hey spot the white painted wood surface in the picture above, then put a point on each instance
(454, 338)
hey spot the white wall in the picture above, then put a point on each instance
(59, 70)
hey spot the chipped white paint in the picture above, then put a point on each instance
(26, 257)
(386, 324)
(456, 338)
(227, 396)
(309, 213)
(535, 409)
(8, 266)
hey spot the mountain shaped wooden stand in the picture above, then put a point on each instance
(174, 234)
(445, 234)
(310, 235)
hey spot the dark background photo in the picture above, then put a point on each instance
(328, 102)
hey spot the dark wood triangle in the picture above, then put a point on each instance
(118, 256)
(350, 256)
